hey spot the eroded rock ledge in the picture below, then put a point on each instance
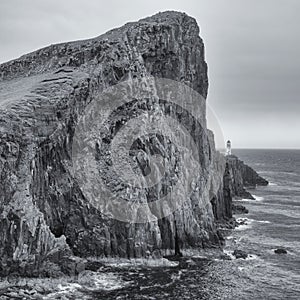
(46, 223)
(243, 177)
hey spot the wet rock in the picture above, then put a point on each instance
(220, 235)
(280, 251)
(93, 265)
(239, 254)
(242, 222)
(191, 262)
(225, 257)
(239, 209)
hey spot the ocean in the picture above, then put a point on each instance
(273, 222)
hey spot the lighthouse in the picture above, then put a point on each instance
(228, 148)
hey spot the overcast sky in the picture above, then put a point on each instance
(252, 49)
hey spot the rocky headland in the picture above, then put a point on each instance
(242, 177)
(47, 226)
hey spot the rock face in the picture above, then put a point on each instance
(242, 176)
(222, 202)
(239, 209)
(237, 177)
(240, 254)
(44, 215)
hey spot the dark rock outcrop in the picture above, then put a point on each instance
(242, 177)
(239, 209)
(239, 254)
(251, 178)
(237, 177)
(280, 251)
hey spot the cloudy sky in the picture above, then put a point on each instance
(252, 49)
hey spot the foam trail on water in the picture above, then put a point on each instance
(257, 198)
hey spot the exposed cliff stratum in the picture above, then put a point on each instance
(46, 220)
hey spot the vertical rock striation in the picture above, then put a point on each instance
(45, 218)
(243, 177)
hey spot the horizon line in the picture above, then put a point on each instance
(257, 148)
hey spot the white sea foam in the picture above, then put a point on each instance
(247, 220)
(246, 200)
(249, 257)
(264, 222)
(107, 282)
(88, 280)
(248, 223)
(245, 224)
(63, 289)
(67, 288)
(257, 198)
(272, 184)
(201, 253)
(229, 253)
(243, 227)
(252, 257)
(139, 262)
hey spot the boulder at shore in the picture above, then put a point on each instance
(280, 251)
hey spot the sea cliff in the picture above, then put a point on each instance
(47, 225)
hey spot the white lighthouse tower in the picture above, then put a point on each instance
(228, 148)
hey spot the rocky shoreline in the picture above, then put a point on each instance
(88, 278)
